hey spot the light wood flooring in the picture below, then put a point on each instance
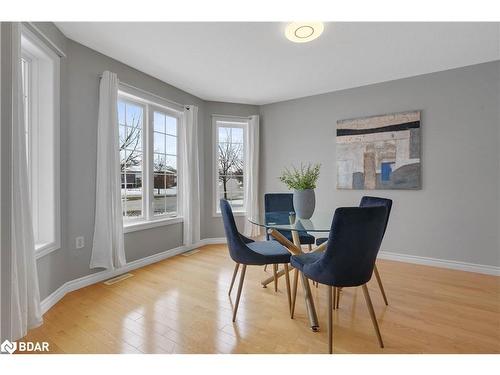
(180, 305)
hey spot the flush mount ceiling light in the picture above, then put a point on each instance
(302, 32)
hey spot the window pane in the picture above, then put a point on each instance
(165, 194)
(235, 197)
(123, 134)
(130, 138)
(132, 193)
(134, 135)
(134, 205)
(224, 134)
(230, 158)
(159, 122)
(171, 145)
(121, 112)
(159, 191)
(159, 140)
(171, 193)
(237, 135)
(130, 116)
(159, 163)
(133, 115)
(171, 164)
(171, 123)
(133, 161)
(123, 159)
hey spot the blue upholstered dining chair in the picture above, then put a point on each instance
(247, 252)
(368, 201)
(354, 241)
(283, 202)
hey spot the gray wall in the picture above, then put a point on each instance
(456, 214)
(211, 226)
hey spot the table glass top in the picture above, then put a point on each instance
(321, 221)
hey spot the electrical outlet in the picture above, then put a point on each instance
(79, 242)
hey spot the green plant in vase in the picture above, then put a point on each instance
(303, 182)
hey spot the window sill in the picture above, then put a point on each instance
(45, 248)
(147, 224)
(235, 213)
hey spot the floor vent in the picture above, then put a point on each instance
(117, 279)
(191, 252)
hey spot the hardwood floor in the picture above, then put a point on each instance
(181, 305)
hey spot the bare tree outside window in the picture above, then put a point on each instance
(231, 164)
(130, 141)
(230, 161)
(130, 118)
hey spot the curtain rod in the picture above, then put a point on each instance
(148, 93)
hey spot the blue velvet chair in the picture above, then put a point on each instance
(283, 202)
(368, 201)
(245, 251)
(277, 207)
(354, 241)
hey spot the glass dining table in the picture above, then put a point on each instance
(279, 222)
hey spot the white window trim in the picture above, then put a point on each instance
(44, 249)
(237, 122)
(138, 225)
(150, 102)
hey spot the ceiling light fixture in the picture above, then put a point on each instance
(302, 32)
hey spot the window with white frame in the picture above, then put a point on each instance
(40, 86)
(230, 162)
(148, 159)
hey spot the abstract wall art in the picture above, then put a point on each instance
(379, 152)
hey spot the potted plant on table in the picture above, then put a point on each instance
(303, 182)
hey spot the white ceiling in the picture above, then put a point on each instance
(254, 63)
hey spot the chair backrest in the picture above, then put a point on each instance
(238, 250)
(234, 242)
(278, 202)
(368, 201)
(353, 245)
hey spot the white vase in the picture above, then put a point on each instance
(304, 202)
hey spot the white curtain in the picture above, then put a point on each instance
(25, 309)
(190, 175)
(252, 185)
(108, 249)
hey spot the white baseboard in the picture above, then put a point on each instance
(441, 263)
(97, 277)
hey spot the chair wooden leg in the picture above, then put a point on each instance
(372, 314)
(337, 299)
(334, 296)
(294, 292)
(330, 320)
(275, 274)
(236, 267)
(379, 281)
(240, 287)
(288, 293)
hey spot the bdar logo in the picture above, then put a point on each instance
(8, 347)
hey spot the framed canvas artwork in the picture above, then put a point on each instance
(379, 152)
